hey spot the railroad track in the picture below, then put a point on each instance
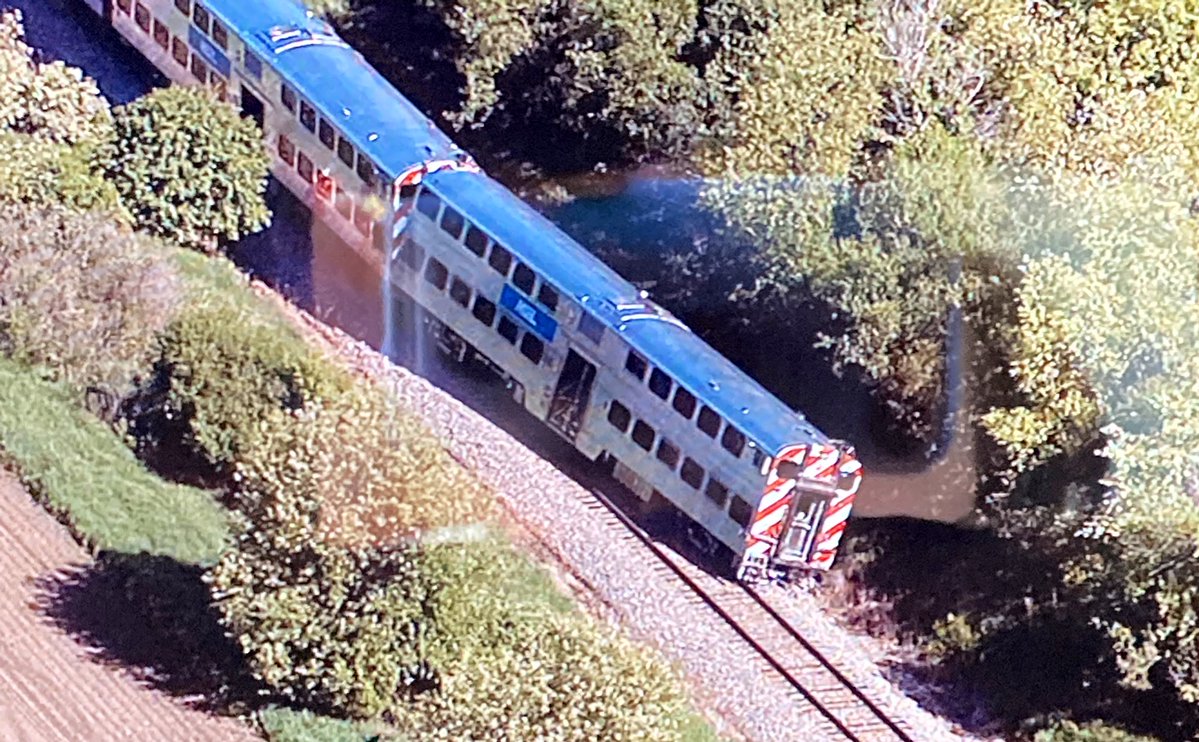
(779, 648)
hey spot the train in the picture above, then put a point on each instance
(620, 378)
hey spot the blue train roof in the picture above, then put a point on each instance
(650, 330)
(306, 52)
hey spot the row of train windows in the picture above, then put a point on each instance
(684, 403)
(498, 257)
(179, 49)
(343, 201)
(213, 29)
(642, 434)
(328, 135)
(483, 309)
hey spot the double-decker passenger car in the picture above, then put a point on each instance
(609, 370)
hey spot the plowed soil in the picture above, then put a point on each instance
(52, 687)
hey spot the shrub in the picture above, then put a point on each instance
(94, 323)
(1094, 731)
(188, 167)
(36, 171)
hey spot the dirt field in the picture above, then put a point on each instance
(53, 689)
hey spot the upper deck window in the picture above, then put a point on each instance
(733, 440)
(287, 97)
(476, 241)
(660, 383)
(345, 151)
(307, 116)
(684, 403)
(201, 17)
(591, 327)
(326, 133)
(708, 421)
(547, 296)
(500, 259)
(219, 36)
(452, 222)
(366, 170)
(428, 204)
(636, 365)
(252, 64)
(524, 278)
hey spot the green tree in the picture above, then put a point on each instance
(188, 167)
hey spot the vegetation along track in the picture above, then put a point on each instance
(850, 712)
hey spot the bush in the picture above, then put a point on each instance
(43, 173)
(94, 323)
(1094, 731)
(188, 167)
(85, 473)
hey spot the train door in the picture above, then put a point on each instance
(252, 107)
(571, 395)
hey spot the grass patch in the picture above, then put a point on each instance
(280, 724)
(86, 474)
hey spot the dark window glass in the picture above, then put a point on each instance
(684, 402)
(668, 453)
(287, 150)
(219, 35)
(407, 192)
(252, 64)
(740, 511)
(547, 296)
(184, 6)
(591, 328)
(428, 204)
(483, 310)
(162, 35)
(524, 278)
(733, 440)
(500, 259)
(708, 421)
(179, 51)
(452, 222)
(436, 273)
(345, 151)
(692, 473)
(201, 17)
(366, 170)
(717, 492)
(643, 435)
(199, 69)
(345, 204)
(660, 383)
(460, 292)
(759, 458)
(412, 254)
(508, 329)
(287, 96)
(619, 416)
(326, 134)
(141, 14)
(304, 167)
(636, 365)
(532, 347)
(476, 241)
(126, 6)
(307, 116)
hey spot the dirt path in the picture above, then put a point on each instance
(51, 688)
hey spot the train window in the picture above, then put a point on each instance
(684, 403)
(326, 133)
(717, 492)
(219, 86)
(428, 204)
(759, 457)
(287, 97)
(363, 222)
(508, 329)
(219, 36)
(591, 328)
(476, 241)
(668, 453)
(407, 192)
(547, 296)
(643, 435)
(436, 273)
(733, 440)
(452, 222)
(636, 365)
(740, 511)
(460, 292)
(500, 259)
(483, 310)
(162, 35)
(345, 204)
(141, 15)
(126, 6)
(692, 473)
(366, 170)
(304, 167)
(532, 347)
(252, 64)
(307, 116)
(619, 416)
(524, 278)
(184, 6)
(411, 254)
(179, 51)
(199, 69)
(708, 421)
(201, 17)
(345, 151)
(660, 383)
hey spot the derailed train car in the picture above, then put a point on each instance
(619, 377)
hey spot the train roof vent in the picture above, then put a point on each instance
(285, 38)
(644, 309)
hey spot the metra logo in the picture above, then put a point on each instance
(526, 312)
